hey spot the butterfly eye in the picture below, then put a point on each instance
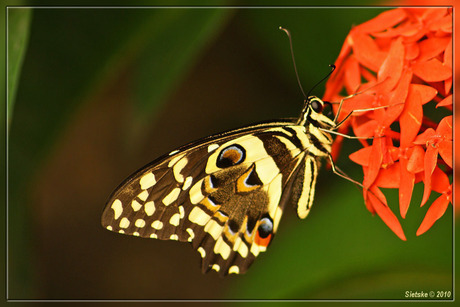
(316, 105)
(230, 156)
(265, 227)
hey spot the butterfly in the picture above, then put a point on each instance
(226, 193)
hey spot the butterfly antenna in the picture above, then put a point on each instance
(293, 59)
(332, 66)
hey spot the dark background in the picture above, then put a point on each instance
(101, 92)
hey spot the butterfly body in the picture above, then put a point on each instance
(225, 194)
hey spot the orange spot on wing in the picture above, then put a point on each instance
(233, 155)
(262, 241)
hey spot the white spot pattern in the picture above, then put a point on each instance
(143, 195)
(191, 233)
(187, 183)
(135, 205)
(178, 167)
(139, 223)
(147, 181)
(216, 267)
(198, 216)
(149, 208)
(175, 219)
(171, 197)
(234, 269)
(222, 248)
(214, 229)
(201, 251)
(157, 225)
(117, 208)
(124, 223)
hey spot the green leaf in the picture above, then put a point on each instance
(73, 55)
(18, 34)
(176, 39)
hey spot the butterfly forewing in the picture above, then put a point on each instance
(225, 193)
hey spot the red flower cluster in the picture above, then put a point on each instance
(393, 67)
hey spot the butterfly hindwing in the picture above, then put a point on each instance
(225, 194)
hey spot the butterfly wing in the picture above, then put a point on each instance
(225, 194)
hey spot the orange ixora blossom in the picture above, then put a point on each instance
(398, 67)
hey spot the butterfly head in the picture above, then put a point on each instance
(313, 113)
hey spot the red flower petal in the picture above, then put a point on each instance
(358, 102)
(425, 136)
(411, 118)
(415, 163)
(368, 76)
(412, 51)
(427, 92)
(432, 47)
(364, 129)
(445, 127)
(447, 85)
(444, 24)
(448, 63)
(398, 98)
(366, 51)
(448, 54)
(445, 102)
(383, 99)
(436, 211)
(375, 162)
(383, 21)
(431, 156)
(416, 13)
(361, 156)
(387, 160)
(385, 213)
(440, 181)
(416, 35)
(432, 71)
(406, 187)
(388, 178)
(391, 69)
(445, 151)
(352, 75)
(405, 29)
(433, 15)
(367, 202)
(419, 177)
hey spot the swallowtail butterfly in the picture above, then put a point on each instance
(226, 193)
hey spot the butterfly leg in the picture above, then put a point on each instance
(348, 136)
(359, 110)
(340, 173)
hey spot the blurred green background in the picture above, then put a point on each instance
(94, 94)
